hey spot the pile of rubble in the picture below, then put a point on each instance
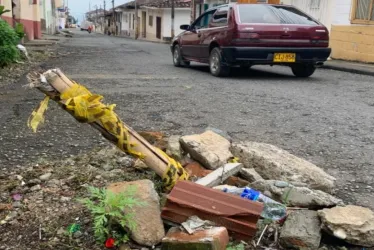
(202, 214)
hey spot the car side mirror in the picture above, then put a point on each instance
(185, 27)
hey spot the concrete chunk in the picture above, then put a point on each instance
(273, 163)
(209, 148)
(174, 148)
(352, 224)
(302, 230)
(250, 174)
(220, 175)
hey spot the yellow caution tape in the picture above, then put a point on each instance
(87, 108)
(37, 116)
(233, 160)
(174, 173)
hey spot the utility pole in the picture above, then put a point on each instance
(96, 16)
(172, 19)
(114, 19)
(136, 20)
(104, 17)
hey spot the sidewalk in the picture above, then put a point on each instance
(351, 67)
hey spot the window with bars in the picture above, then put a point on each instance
(363, 12)
(150, 21)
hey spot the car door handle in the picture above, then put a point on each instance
(198, 34)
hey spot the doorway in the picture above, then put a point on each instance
(158, 27)
(144, 24)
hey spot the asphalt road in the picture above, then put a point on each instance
(327, 119)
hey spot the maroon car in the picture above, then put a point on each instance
(251, 34)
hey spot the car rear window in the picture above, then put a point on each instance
(271, 14)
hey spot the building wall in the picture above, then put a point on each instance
(29, 15)
(152, 30)
(8, 6)
(350, 41)
(127, 20)
(182, 16)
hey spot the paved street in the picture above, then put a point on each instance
(327, 119)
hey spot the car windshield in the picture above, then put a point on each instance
(273, 14)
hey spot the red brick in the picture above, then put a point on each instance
(215, 238)
(236, 181)
(194, 169)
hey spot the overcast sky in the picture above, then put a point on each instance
(79, 7)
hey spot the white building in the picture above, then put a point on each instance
(351, 25)
(154, 19)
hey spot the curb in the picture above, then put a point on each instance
(349, 70)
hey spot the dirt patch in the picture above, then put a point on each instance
(47, 208)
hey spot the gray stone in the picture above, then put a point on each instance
(209, 148)
(34, 182)
(273, 163)
(250, 174)
(296, 196)
(35, 188)
(45, 177)
(174, 148)
(65, 199)
(302, 230)
(352, 224)
(149, 229)
(107, 166)
(77, 234)
(53, 183)
(17, 204)
(61, 231)
(125, 162)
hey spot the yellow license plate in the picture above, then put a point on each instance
(284, 57)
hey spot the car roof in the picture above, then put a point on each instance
(232, 4)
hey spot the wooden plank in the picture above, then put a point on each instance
(220, 175)
(153, 157)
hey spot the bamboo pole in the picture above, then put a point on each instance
(56, 83)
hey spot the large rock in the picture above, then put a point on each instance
(352, 224)
(295, 195)
(302, 230)
(250, 174)
(174, 148)
(209, 148)
(149, 229)
(273, 163)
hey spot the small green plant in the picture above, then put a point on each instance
(107, 209)
(3, 10)
(20, 30)
(233, 246)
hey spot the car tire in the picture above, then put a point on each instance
(303, 70)
(177, 57)
(216, 64)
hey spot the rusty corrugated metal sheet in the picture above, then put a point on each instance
(238, 215)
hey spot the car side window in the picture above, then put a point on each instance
(203, 21)
(220, 17)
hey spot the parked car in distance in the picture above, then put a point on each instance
(253, 34)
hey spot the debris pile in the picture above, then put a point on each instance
(251, 194)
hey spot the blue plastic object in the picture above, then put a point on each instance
(250, 194)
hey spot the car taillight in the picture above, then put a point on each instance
(247, 35)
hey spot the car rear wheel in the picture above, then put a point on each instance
(215, 64)
(303, 70)
(177, 57)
